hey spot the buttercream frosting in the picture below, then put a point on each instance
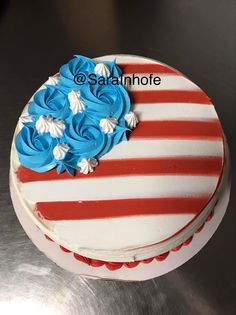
(52, 80)
(146, 196)
(86, 138)
(76, 103)
(35, 149)
(87, 165)
(25, 118)
(131, 120)
(79, 65)
(50, 101)
(56, 128)
(42, 125)
(108, 124)
(102, 69)
(89, 118)
(60, 150)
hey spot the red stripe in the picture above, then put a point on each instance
(178, 129)
(86, 210)
(150, 166)
(146, 68)
(169, 96)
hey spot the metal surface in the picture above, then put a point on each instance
(196, 37)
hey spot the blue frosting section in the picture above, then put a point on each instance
(35, 150)
(82, 132)
(114, 70)
(85, 138)
(50, 101)
(105, 100)
(77, 65)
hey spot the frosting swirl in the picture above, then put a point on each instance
(113, 68)
(50, 101)
(70, 126)
(106, 101)
(35, 151)
(86, 138)
(83, 66)
(79, 65)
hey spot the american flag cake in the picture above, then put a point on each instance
(147, 194)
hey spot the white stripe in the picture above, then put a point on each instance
(168, 82)
(119, 188)
(105, 234)
(141, 148)
(174, 111)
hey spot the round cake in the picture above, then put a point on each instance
(118, 159)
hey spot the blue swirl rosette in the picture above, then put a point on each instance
(50, 101)
(70, 127)
(85, 138)
(79, 65)
(35, 151)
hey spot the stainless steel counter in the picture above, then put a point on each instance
(36, 37)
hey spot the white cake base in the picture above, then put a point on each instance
(142, 271)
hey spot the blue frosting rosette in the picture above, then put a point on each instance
(85, 138)
(69, 126)
(35, 151)
(50, 101)
(106, 100)
(79, 65)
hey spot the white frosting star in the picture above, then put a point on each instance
(102, 69)
(108, 124)
(76, 103)
(43, 124)
(87, 165)
(25, 118)
(47, 124)
(131, 120)
(52, 81)
(60, 151)
(56, 128)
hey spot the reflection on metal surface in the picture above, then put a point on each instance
(34, 270)
(28, 307)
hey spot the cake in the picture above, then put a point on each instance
(120, 171)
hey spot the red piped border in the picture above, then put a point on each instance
(117, 265)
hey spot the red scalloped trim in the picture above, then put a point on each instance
(117, 265)
(147, 261)
(48, 238)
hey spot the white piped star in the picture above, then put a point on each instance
(108, 124)
(60, 151)
(87, 165)
(102, 69)
(52, 81)
(76, 103)
(42, 124)
(47, 124)
(131, 120)
(56, 128)
(25, 118)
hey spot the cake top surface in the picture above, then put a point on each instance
(90, 187)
